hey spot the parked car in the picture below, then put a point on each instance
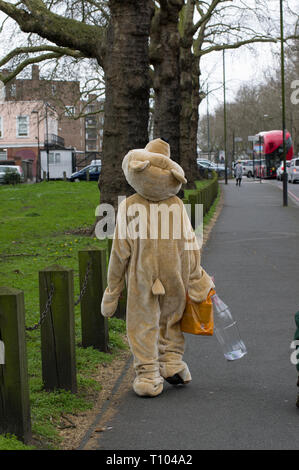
(10, 168)
(280, 170)
(94, 173)
(247, 168)
(218, 167)
(293, 170)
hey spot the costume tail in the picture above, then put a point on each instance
(158, 288)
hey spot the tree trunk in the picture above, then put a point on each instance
(197, 98)
(126, 65)
(190, 99)
(164, 53)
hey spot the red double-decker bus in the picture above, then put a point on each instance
(271, 151)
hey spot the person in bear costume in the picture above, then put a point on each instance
(158, 269)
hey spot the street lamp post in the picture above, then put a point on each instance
(253, 161)
(208, 124)
(234, 141)
(38, 166)
(47, 137)
(285, 175)
(260, 150)
(225, 119)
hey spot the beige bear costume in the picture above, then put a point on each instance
(158, 268)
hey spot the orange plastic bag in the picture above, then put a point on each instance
(198, 316)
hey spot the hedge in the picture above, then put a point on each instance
(203, 194)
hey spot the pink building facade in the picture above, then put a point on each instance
(25, 127)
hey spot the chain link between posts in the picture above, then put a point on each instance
(44, 313)
(85, 282)
(50, 298)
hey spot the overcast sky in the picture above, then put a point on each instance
(247, 64)
(242, 65)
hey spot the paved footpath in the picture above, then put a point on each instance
(253, 253)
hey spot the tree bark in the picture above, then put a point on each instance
(164, 54)
(189, 84)
(189, 113)
(126, 66)
(197, 98)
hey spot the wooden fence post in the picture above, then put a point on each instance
(204, 201)
(192, 201)
(14, 390)
(94, 325)
(109, 246)
(64, 176)
(58, 329)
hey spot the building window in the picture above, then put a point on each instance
(3, 154)
(90, 108)
(54, 158)
(69, 111)
(13, 90)
(1, 127)
(91, 135)
(22, 126)
(91, 147)
(91, 122)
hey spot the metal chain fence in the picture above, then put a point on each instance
(44, 313)
(50, 298)
(85, 282)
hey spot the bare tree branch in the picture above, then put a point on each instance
(33, 60)
(33, 49)
(65, 32)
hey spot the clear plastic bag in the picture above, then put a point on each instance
(227, 331)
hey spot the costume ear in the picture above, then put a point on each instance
(178, 176)
(138, 165)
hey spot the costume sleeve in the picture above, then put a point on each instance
(200, 283)
(119, 258)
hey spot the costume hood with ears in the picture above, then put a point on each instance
(152, 173)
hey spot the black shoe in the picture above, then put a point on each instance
(175, 380)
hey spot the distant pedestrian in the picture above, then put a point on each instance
(238, 173)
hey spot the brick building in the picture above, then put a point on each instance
(25, 127)
(94, 124)
(84, 134)
(63, 95)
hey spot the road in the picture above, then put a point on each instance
(253, 252)
(293, 190)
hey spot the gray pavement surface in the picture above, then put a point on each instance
(253, 252)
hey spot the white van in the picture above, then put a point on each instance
(293, 170)
(247, 168)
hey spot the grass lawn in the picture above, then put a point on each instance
(36, 231)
